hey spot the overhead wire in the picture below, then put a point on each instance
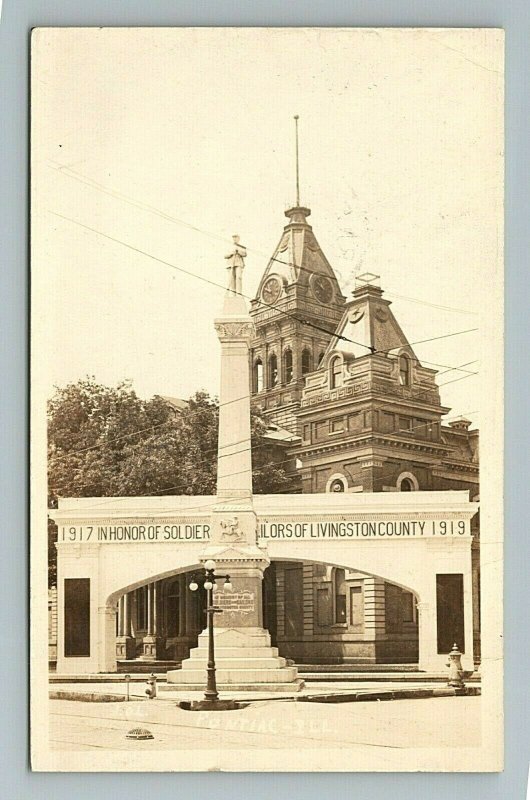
(218, 501)
(303, 321)
(65, 170)
(278, 463)
(260, 302)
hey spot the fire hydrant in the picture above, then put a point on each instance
(151, 687)
(456, 673)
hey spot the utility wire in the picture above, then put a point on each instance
(65, 170)
(278, 463)
(188, 413)
(260, 302)
(168, 509)
(303, 321)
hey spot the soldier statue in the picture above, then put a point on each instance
(236, 265)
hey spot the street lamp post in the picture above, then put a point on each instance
(211, 695)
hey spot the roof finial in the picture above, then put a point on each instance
(297, 164)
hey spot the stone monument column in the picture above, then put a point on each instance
(243, 651)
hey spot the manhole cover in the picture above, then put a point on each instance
(139, 733)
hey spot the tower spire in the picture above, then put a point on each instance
(297, 162)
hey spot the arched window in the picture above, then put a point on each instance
(404, 371)
(407, 482)
(339, 586)
(306, 361)
(335, 370)
(337, 483)
(288, 366)
(258, 375)
(273, 371)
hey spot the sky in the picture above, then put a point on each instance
(165, 142)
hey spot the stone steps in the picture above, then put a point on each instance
(289, 688)
(236, 674)
(241, 662)
(234, 652)
(348, 666)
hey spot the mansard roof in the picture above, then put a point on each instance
(368, 326)
(298, 255)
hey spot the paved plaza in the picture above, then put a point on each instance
(405, 724)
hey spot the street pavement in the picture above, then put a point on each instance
(400, 724)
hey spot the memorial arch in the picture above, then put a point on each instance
(411, 542)
(418, 541)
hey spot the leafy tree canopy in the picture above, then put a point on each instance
(106, 441)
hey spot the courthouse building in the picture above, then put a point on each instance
(367, 415)
(352, 410)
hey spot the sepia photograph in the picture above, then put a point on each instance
(267, 399)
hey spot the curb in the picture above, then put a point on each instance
(391, 694)
(89, 697)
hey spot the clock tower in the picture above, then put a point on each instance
(296, 310)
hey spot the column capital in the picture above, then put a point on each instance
(234, 329)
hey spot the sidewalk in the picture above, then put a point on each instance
(269, 724)
(315, 692)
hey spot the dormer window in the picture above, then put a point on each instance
(404, 370)
(335, 372)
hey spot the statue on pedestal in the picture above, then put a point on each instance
(236, 265)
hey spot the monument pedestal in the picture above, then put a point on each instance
(245, 661)
(244, 657)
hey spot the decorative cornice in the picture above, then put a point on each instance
(370, 439)
(372, 387)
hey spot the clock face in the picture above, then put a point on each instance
(322, 288)
(271, 290)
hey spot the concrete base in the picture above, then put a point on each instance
(152, 648)
(211, 705)
(287, 688)
(244, 659)
(125, 647)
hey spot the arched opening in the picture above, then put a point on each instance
(273, 371)
(257, 376)
(335, 372)
(159, 621)
(404, 370)
(306, 361)
(337, 485)
(288, 365)
(320, 613)
(406, 485)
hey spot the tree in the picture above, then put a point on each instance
(106, 441)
